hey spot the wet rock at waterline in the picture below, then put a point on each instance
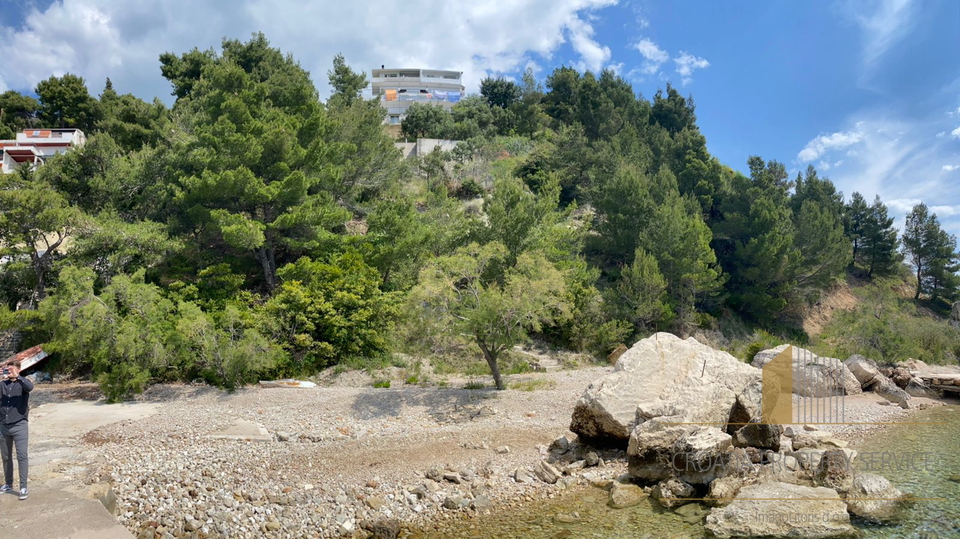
(624, 495)
(776, 509)
(873, 497)
(673, 492)
(666, 376)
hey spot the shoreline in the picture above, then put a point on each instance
(353, 456)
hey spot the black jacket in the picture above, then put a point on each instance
(14, 397)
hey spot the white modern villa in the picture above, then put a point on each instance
(32, 147)
(398, 88)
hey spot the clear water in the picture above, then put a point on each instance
(923, 519)
(594, 519)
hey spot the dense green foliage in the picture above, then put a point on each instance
(253, 230)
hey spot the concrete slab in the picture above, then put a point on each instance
(247, 431)
(57, 514)
(69, 419)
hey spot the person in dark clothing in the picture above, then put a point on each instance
(14, 409)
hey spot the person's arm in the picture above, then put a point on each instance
(26, 383)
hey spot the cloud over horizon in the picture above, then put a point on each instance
(122, 39)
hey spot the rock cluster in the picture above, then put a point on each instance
(870, 377)
(814, 376)
(695, 436)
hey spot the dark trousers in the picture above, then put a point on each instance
(10, 436)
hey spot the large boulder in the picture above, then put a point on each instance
(701, 455)
(864, 369)
(664, 375)
(814, 376)
(759, 435)
(916, 387)
(873, 497)
(775, 509)
(889, 390)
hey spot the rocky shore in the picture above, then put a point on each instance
(344, 461)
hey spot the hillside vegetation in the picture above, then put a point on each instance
(253, 230)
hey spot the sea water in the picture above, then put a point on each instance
(921, 459)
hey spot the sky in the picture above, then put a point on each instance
(866, 91)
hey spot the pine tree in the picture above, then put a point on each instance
(879, 240)
(755, 241)
(855, 215)
(642, 290)
(932, 253)
(818, 218)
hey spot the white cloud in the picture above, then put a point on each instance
(653, 56)
(823, 166)
(941, 134)
(592, 54)
(953, 112)
(955, 133)
(122, 39)
(896, 159)
(834, 141)
(883, 25)
(687, 63)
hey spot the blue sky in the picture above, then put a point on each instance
(867, 91)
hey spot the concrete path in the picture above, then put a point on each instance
(52, 512)
(57, 514)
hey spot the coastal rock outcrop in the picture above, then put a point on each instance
(664, 376)
(771, 509)
(814, 376)
(872, 377)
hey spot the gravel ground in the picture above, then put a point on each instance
(352, 454)
(346, 455)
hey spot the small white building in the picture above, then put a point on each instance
(398, 88)
(35, 146)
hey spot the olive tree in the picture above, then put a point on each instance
(470, 292)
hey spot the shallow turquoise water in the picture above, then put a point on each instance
(926, 477)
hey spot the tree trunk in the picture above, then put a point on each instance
(265, 256)
(491, 357)
(917, 295)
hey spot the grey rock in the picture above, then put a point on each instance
(672, 492)
(546, 472)
(659, 376)
(759, 435)
(722, 490)
(814, 376)
(873, 497)
(864, 369)
(759, 510)
(386, 529)
(522, 475)
(624, 495)
(889, 390)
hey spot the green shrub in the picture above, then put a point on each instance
(324, 312)
(385, 384)
(122, 381)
